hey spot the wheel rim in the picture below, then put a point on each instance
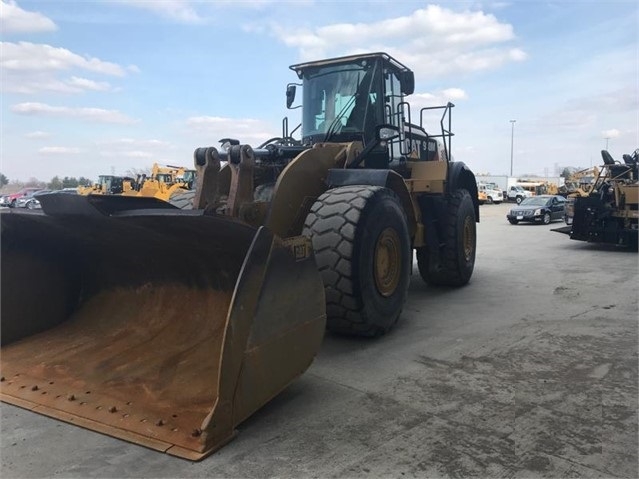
(468, 239)
(387, 263)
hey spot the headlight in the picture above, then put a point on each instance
(537, 212)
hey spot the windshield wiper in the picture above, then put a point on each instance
(333, 126)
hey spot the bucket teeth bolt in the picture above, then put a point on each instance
(197, 432)
(34, 388)
(2, 379)
(159, 422)
(113, 409)
(71, 397)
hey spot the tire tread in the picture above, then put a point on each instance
(332, 226)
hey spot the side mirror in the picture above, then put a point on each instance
(386, 132)
(407, 82)
(290, 95)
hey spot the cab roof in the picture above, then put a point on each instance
(395, 64)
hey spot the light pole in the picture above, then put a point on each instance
(512, 142)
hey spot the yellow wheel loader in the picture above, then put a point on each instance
(165, 182)
(109, 185)
(105, 326)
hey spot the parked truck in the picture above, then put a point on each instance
(517, 193)
(490, 193)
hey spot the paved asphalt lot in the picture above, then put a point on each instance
(529, 371)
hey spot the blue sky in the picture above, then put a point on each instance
(94, 87)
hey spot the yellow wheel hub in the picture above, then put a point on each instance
(387, 263)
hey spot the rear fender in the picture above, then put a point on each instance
(462, 177)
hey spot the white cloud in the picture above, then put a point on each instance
(434, 40)
(441, 97)
(430, 119)
(138, 154)
(199, 11)
(59, 150)
(31, 68)
(624, 99)
(613, 133)
(86, 84)
(136, 148)
(246, 130)
(177, 10)
(583, 113)
(14, 19)
(37, 135)
(35, 57)
(30, 84)
(134, 142)
(91, 114)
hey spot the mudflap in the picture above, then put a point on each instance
(159, 326)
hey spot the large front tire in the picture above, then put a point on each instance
(454, 263)
(362, 249)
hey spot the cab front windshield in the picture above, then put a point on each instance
(164, 178)
(340, 99)
(189, 175)
(105, 182)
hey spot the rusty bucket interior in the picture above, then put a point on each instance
(165, 328)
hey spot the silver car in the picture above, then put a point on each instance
(31, 201)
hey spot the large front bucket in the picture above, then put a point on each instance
(162, 327)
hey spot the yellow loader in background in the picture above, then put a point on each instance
(109, 185)
(165, 182)
(105, 326)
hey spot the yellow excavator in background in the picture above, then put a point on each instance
(104, 326)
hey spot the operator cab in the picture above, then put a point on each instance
(346, 98)
(110, 184)
(165, 178)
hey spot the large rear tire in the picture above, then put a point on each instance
(363, 253)
(456, 259)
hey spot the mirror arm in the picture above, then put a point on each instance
(359, 158)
